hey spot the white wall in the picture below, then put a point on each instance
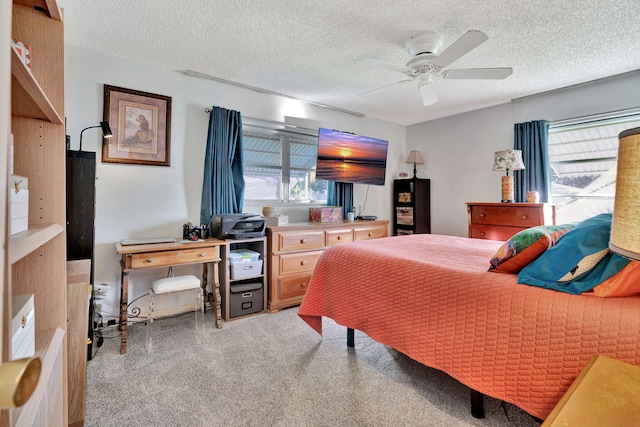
(141, 201)
(458, 150)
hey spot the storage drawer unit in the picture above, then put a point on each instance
(294, 249)
(500, 221)
(245, 298)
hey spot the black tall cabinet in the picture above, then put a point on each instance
(81, 191)
(411, 206)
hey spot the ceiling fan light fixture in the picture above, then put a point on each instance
(427, 90)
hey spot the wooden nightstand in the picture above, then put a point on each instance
(500, 221)
(606, 393)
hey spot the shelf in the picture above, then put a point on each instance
(27, 97)
(25, 242)
(50, 6)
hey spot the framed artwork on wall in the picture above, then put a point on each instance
(141, 127)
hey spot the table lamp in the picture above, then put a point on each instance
(507, 160)
(625, 227)
(106, 131)
(416, 158)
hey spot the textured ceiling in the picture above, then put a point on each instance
(306, 49)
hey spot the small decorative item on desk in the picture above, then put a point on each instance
(268, 211)
(533, 197)
(191, 232)
(325, 214)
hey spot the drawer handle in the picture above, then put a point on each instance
(482, 215)
(303, 285)
(339, 237)
(24, 321)
(370, 234)
(149, 260)
(303, 262)
(203, 254)
(524, 217)
(482, 233)
(303, 240)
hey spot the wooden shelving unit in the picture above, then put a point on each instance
(35, 260)
(411, 206)
(226, 282)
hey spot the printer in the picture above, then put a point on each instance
(237, 226)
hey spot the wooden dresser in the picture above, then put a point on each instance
(293, 251)
(500, 221)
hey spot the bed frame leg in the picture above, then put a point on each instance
(351, 341)
(477, 404)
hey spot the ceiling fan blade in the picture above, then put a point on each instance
(381, 64)
(429, 94)
(478, 73)
(469, 41)
(384, 87)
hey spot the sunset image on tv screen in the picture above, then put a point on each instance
(353, 158)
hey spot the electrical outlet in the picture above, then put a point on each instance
(100, 291)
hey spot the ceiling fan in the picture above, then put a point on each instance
(426, 63)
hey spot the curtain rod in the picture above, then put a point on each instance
(192, 73)
(273, 122)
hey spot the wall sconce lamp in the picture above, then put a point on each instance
(18, 381)
(507, 160)
(106, 131)
(416, 158)
(625, 227)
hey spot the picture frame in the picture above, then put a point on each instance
(141, 127)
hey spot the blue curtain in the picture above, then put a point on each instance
(533, 139)
(340, 194)
(223, 182)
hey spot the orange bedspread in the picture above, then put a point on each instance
(431, 298)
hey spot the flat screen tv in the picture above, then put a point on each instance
(347, 157)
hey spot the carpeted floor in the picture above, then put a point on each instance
(272, 370)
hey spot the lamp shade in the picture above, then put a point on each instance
(625, 227)
(415, 157)
(508, 160)
(106, 129)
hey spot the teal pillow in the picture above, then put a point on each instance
(579, 261)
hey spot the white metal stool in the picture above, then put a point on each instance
(174, 284)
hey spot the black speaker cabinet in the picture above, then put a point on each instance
(81, 196)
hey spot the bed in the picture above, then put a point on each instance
(432, 298)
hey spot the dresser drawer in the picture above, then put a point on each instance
(493, 232)
(366, 233)
(298, 263)
(293, 286)
(334, 237)
(167, 258)
(519, 216)
(301, 240)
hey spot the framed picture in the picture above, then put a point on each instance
(141, 127)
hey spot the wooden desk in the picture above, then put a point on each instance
(134, 257)
(606, 393)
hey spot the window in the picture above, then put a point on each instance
(279, 166)
(583, 160)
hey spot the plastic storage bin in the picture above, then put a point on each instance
(245, 264)
(245, 270)
(245, 298)
(243, 255)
